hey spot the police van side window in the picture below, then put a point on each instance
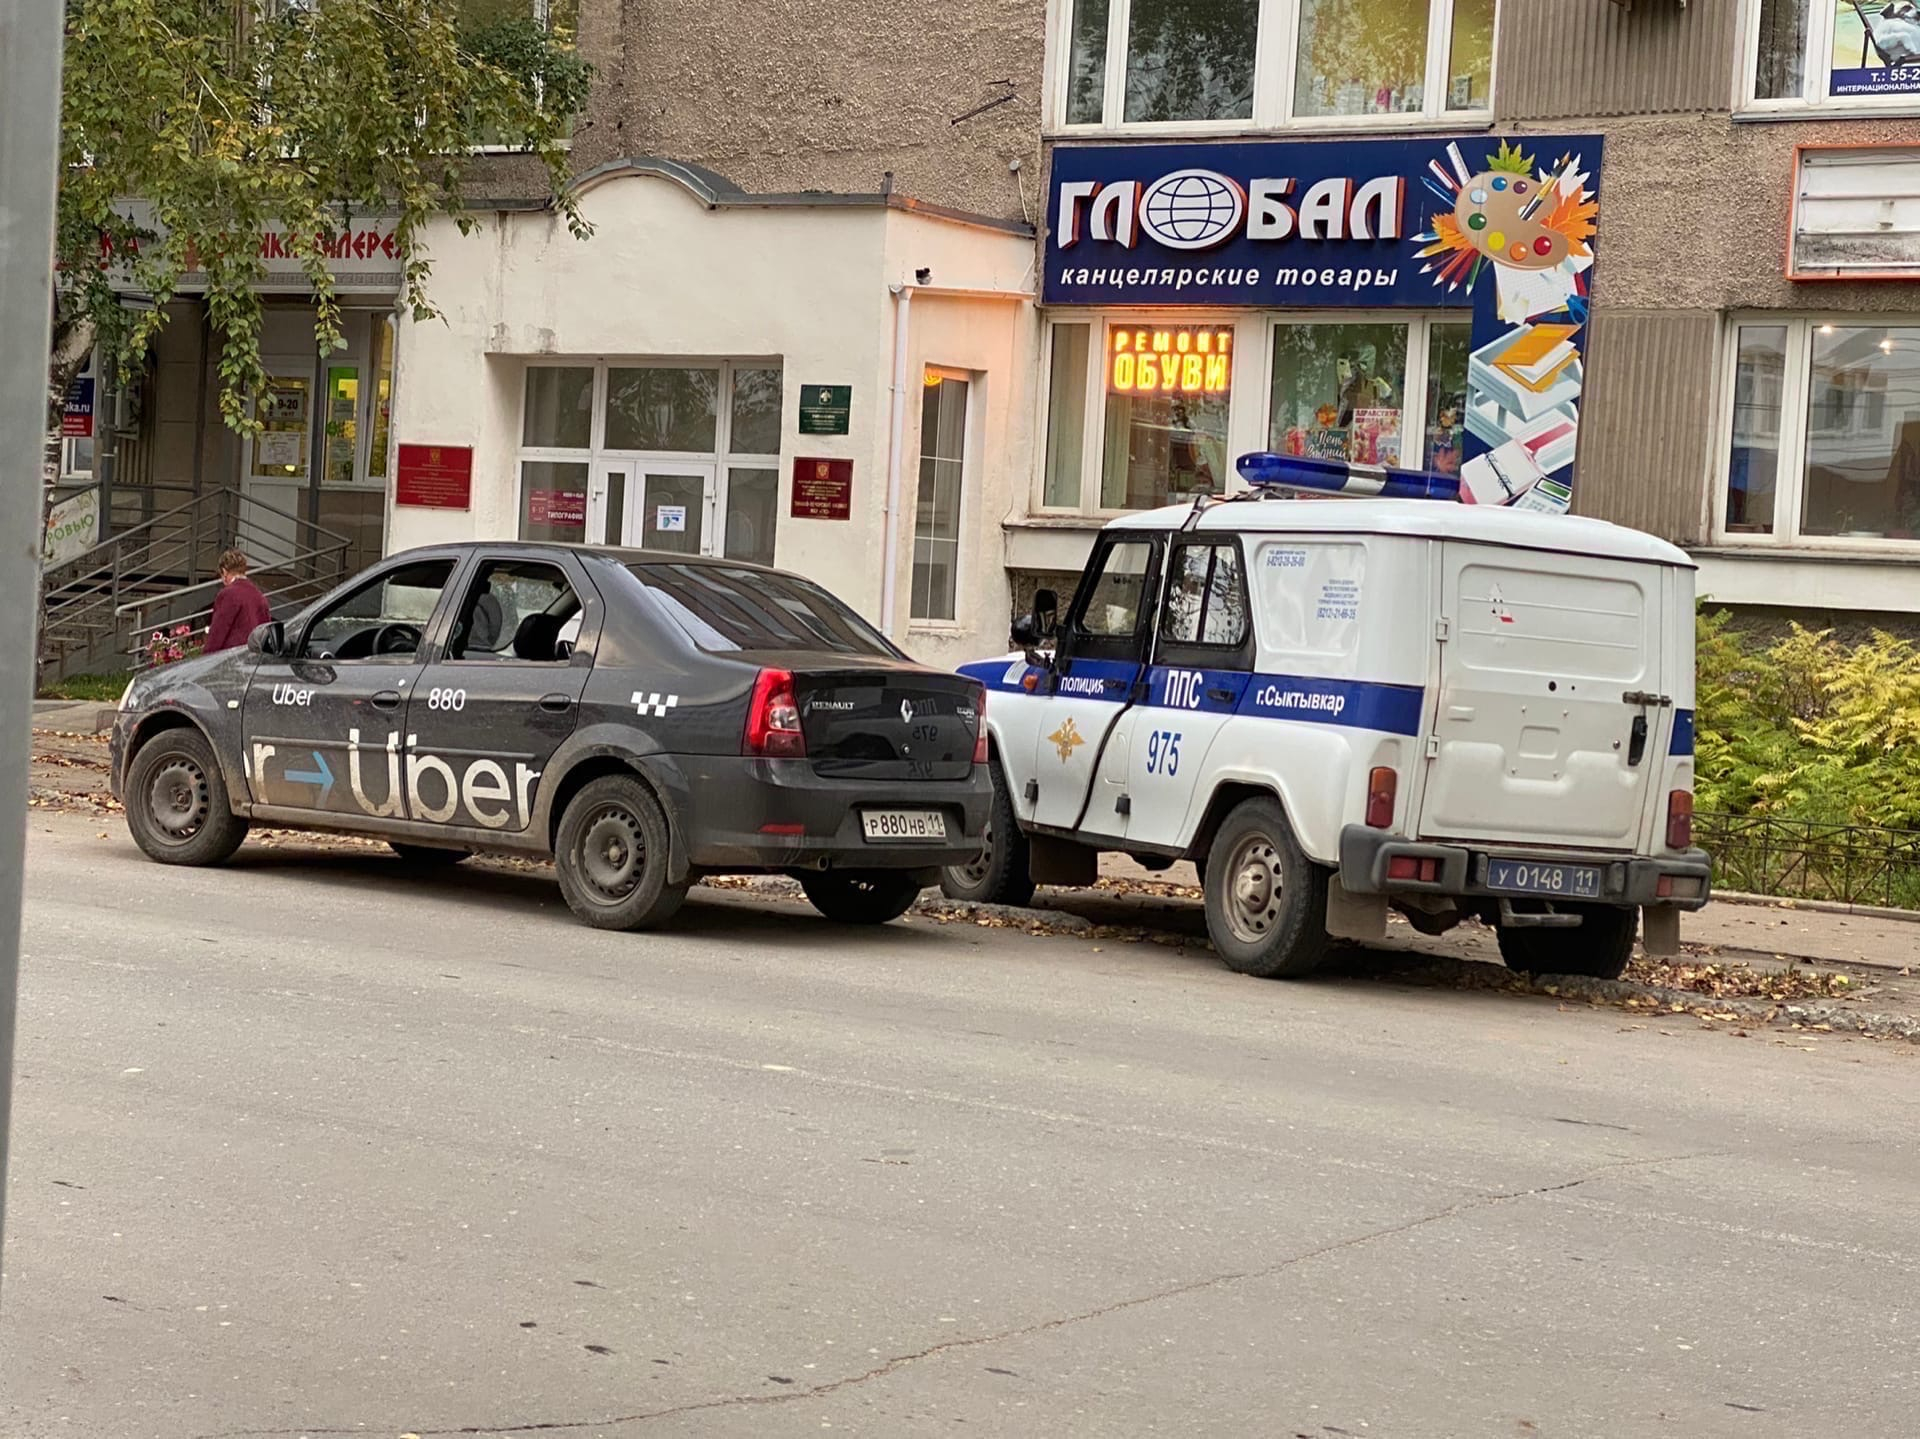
(386, 619)
(1206, 597)
(517, 610)
(1114, 601)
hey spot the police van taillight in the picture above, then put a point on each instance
(1680, 819)
(980, 736)
(773, 719)
(1383, 788)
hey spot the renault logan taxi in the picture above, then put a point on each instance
(643, 718)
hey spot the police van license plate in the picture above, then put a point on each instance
(1555, 881)
(887, 825)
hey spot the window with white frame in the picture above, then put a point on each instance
(1831, 54)
(1140, 410)
(669, 454)
(1823, 433)
(936, 522)
(1269, 63)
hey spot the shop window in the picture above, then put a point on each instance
(936, 524)
(663, 408)
(559, 408)
(1272, 62)
(1339, 391)
(756, 412)
(1823, 443)
(1832, 54)
(1168, 390)
(753, 511)
(381, 400)
(1066, 416)
(553, 500)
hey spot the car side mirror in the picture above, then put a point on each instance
(1046, 613)
(268, 639)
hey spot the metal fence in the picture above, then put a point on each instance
(1798, 859)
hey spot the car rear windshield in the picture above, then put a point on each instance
(725, 608)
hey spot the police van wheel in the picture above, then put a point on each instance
(611, 856)
(1598, 949)
(1266, 901)
(428, 856)
(999, 873)
(861, 896)
(177, 807)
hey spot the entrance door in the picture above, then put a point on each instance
(277, 470)
(610, 494)
(676, 508)
(1549, 728)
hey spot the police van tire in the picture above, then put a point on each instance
(1266, 901)
(611, 854)
(861, 896)
(177, 806)
(428, 856)
(1598, 949)
(1000, 875)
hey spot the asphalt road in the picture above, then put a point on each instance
(306, 1146)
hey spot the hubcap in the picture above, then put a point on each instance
(612, 854)
(974, 871)
(177, 799)
(1254, 889)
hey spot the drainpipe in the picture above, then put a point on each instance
(896, 444)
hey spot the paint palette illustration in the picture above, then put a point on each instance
(1504, 216)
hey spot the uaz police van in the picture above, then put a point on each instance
(1335, 707)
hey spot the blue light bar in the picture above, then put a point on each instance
(1344, 477)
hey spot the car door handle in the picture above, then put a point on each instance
(556, 704)
(1220, 694)
(1637, 743)
(387, 700)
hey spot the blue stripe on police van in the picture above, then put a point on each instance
(1355, 704)
(1682, 734)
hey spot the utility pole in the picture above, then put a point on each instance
(30, 39)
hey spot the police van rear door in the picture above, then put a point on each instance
(1550, 729)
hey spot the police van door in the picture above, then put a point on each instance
(503, 693)
(1098, 663)
(1202, 664)
(1548, 730)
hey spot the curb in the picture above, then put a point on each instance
(1815, 906)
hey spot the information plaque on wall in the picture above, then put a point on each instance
(822, 489)
(825, 409)
(436, 477)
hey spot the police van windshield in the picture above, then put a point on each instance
(723, 608)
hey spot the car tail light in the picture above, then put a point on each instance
(1680, 819)
(1383, 786)
(980, 718)
(773, 719)
(1407, 867)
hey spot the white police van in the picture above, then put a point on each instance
(1337, 707)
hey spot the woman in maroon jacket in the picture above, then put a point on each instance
(238, 609)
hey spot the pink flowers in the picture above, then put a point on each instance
(178, 643)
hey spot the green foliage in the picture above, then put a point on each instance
(1807, 728)
(99, 689)
(231, 120)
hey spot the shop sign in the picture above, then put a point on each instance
(73, 527)
(1501, 229)
(561, 508)
(825, 409)
(364, 257)
(822, 489)
(1875, 51)
(437, 477)
(76, 411)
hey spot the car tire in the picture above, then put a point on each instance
(427, 856)
(999, 875)
(611, 854)
(1598, 949)
(178, 810)
(1266, 901)
(861, 896)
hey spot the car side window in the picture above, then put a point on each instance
(1206, 597)
(522, 611)
(383, 619)
(1117, 596)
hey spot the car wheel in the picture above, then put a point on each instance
(177, 806)
(1598, 949)
(861, 896)
(611, 855)
(427, 856)
(1266, 901)
(999, 873)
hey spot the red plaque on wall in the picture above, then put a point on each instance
(436, 477)
(822, 489)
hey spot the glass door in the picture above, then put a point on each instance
(609, 500)
(676, 508)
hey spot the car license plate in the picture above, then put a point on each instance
(1562, 881)
(888, 825)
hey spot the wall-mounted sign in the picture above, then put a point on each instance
(76, 411)
(1856, 213)
(825, 409)
(1876, 48)
(1170, 359)
(1499, 228)
(670, 519)
(437, 477)
(822, 489)
(73, 527)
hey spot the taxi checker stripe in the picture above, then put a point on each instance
(656, 705)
